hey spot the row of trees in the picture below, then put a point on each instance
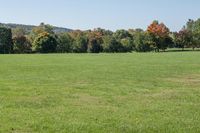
(42, 39)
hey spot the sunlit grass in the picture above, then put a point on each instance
(148, 92)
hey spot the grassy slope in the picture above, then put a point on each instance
(100, 93)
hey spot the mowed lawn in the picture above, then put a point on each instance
(100, 93)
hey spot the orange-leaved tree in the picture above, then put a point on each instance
(160, 35)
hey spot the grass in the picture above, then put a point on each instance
(100, 93)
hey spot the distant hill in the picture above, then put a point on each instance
(28, 28)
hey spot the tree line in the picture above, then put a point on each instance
(42, 39)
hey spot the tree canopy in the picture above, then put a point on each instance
(44, 39)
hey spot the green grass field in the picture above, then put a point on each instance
(100, 93)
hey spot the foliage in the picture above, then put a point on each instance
(111, 45)
(160, 35)
(95, 40)
(157, 37)
(80, 41)
(6, 44)
(21, 45)
(124, 41)
(182, 39)
(65, 44)
(16, 32)
(194, 28)
(127, 44)
(143, 42)
(40, 29)
(45, 43)
(121, 34)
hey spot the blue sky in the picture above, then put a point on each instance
(108, 14)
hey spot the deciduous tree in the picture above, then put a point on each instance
(45, 43)
(194, 28)
(6, 44)
(95, 40)
(65, 43)
(182, 39)
(21, 44)
(160, 35)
